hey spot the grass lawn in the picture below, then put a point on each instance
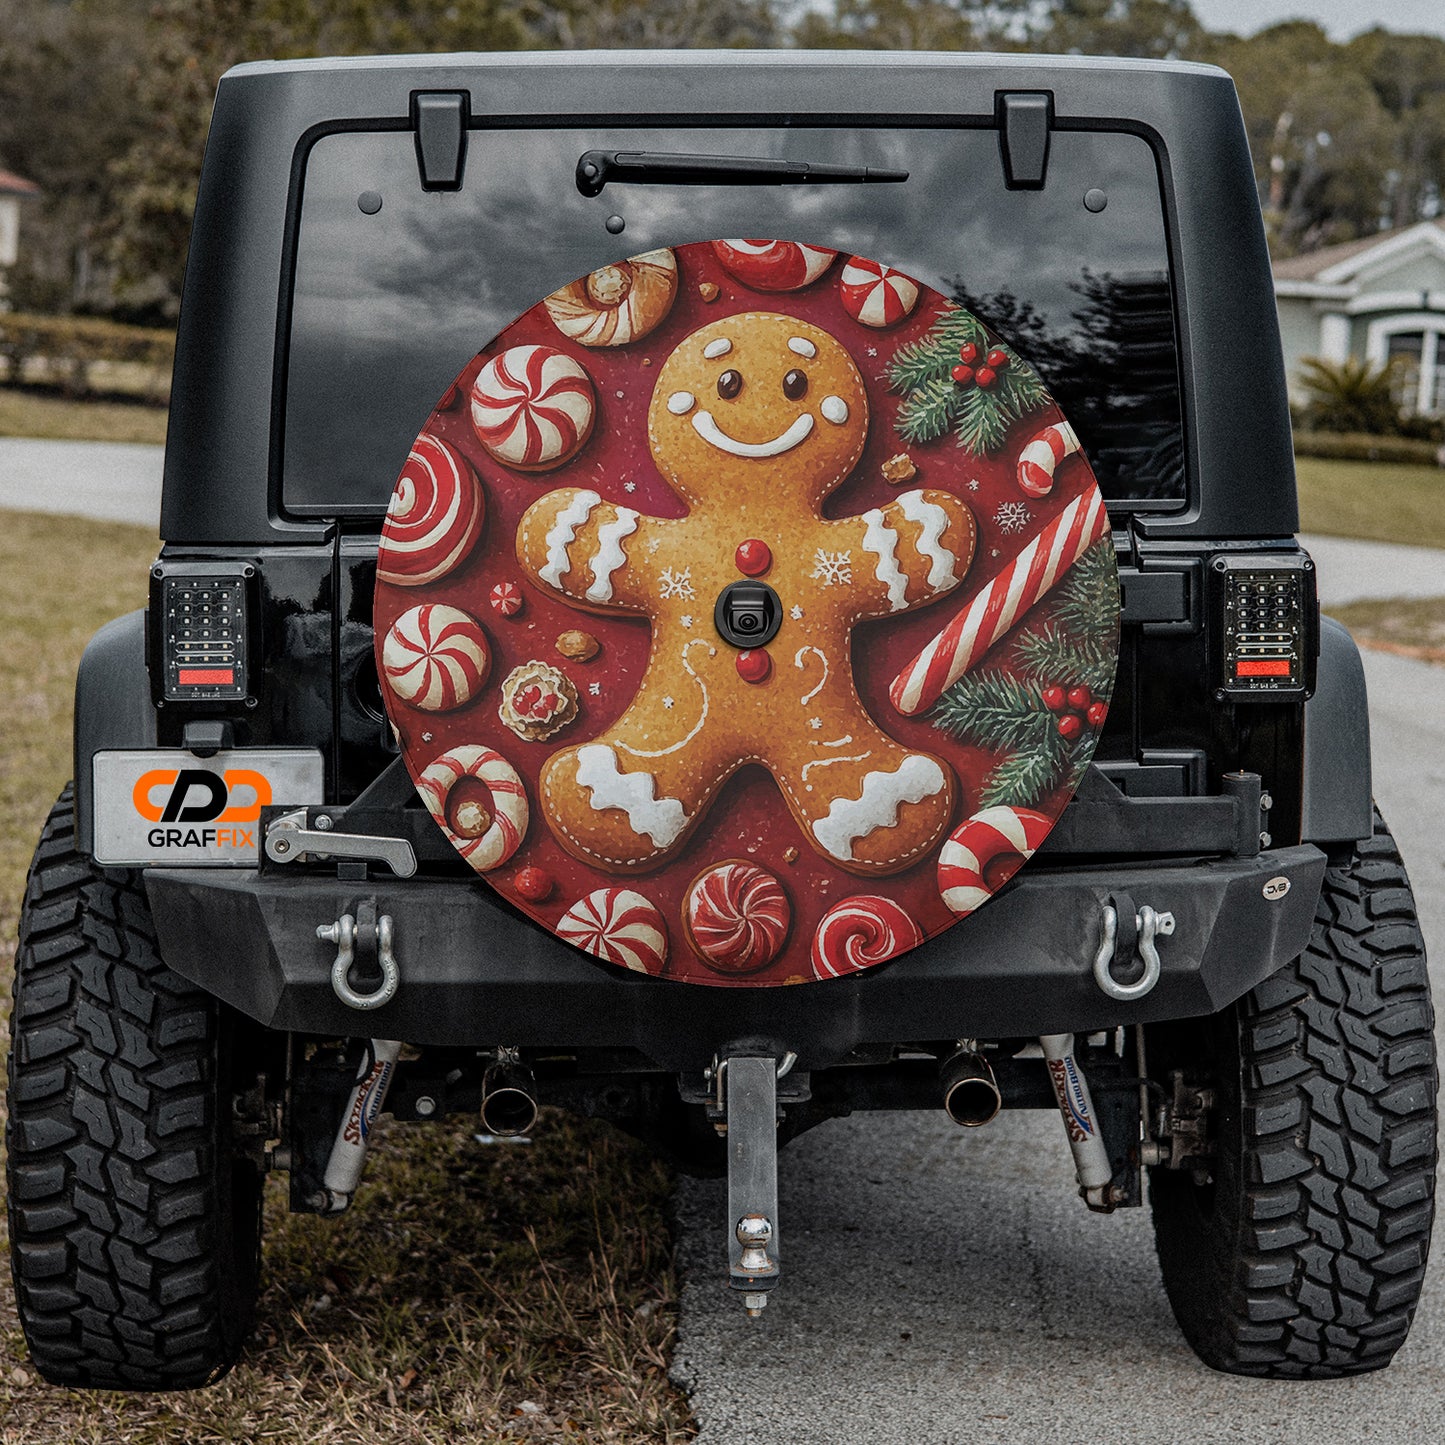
(1411, 626)
(1381, 501)
(34, 414)
(514, 1293)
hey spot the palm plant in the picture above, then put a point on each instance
(1351, 396)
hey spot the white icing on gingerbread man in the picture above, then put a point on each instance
(753, 434)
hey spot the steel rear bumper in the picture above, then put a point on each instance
(475, 973)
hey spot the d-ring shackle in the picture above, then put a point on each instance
(1150, 925)
(343, 934)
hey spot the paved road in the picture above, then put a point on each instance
(112, 481)
(947, 1286)
(1350, 571)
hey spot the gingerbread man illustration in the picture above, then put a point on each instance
(755, 419)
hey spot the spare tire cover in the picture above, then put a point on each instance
(746, 613)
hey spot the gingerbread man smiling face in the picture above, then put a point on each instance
(754, 420)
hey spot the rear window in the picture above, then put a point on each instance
(388, 307)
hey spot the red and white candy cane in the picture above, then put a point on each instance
(875, 294)
(1040, 459)
(509, 802)
(994, 833)
(999, 605)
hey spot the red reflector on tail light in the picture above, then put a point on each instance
(206, 676)
(1262, 667)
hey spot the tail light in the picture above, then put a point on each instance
(199, 630)
(1266, 632)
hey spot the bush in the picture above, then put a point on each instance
(1350, 396)
(64, 351)
(1359, 447)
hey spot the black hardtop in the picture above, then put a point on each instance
(222, 471)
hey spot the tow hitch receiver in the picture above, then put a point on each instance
(748, 1088)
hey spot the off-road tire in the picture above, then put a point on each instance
(1304, 1255)
(134, 1231)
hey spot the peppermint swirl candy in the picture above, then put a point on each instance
(435, 657)
(433, 518)
(860, 932)
(774, 265)
(533, 407)
(617, 925)
(874, 294)
(737, 917)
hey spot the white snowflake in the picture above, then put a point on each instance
(872, 351)
(1012, 517)
(973, 485)
(667, 702)
(815, 722)
(677, 584)
(833, 569)
(629, 486)
(595, 688)
(994, 552)
(795, 612)
(686, 619)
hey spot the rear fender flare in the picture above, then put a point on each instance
(1336, 792)
(113, 708)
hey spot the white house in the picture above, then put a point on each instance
(1377, 299)
(13, 190)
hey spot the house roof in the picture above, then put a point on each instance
(13, 185)
(1336, 259)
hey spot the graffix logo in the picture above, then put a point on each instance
(197, 796)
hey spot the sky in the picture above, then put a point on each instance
(1341, 18)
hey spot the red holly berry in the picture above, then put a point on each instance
(1053, 699)
(1070, 726)
(985, 376)
(997, 358)
(967, 352)
(534, 884)
(1080, 698)
(753, 558)
(754, 665)
(1098, 711)
(963, 374)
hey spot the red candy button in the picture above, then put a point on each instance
(754, 666)
(753, 558)
(534, 884)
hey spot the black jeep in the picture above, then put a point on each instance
(424, 783)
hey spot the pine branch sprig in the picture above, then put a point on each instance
(1023, 778)
(980, 417)
(996, 711)
(1051, 656)
(929, 411)
(1087, 599)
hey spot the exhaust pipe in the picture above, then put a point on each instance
(971, 1094)
(509, 1099)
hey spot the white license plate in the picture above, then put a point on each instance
(169, 806)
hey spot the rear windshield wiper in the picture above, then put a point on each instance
(597, 169)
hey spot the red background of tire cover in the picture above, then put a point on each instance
(748, 819)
